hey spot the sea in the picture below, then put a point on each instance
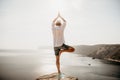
(30, 64)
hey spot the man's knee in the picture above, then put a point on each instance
(71, 49)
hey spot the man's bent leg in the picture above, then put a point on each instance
(70, 49)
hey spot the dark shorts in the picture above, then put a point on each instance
(63, 47)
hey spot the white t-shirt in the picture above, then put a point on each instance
(58, 34)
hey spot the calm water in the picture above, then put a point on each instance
(29, 65)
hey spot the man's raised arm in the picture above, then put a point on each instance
(53, 23)
(61, 17)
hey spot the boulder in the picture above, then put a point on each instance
(53, 76)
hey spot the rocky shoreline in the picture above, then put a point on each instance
(112, 60)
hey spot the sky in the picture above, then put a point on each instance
(26, 24)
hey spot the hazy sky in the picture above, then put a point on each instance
(26, 24)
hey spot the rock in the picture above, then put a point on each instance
(93, 57)
(89, 64)
(53, 76)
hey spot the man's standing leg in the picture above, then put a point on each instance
(58, 63)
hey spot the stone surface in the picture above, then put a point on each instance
(53, 76)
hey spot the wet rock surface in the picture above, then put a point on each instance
(53, 76)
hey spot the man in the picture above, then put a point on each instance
(58, 27)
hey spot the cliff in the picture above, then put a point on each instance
(103, 51)
(109, 52)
